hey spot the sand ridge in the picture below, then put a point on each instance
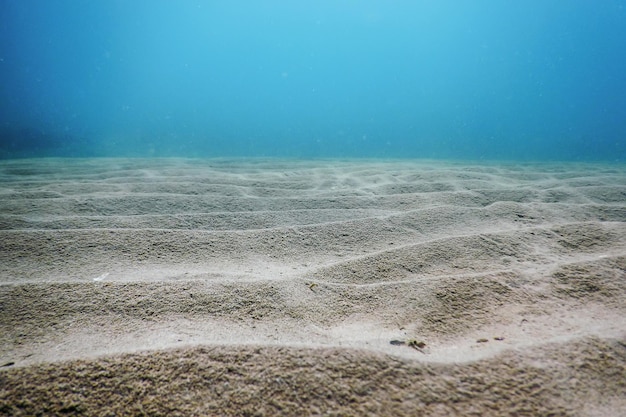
(107, 264)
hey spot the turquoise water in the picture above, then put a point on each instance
(492, 80)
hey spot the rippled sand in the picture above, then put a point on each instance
(263, 287)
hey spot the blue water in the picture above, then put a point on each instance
(482, 79)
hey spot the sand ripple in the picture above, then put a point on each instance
(257, 287)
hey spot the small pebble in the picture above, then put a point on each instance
(417, 344)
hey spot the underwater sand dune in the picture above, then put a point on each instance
(263, 287)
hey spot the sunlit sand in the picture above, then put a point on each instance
(260, 287)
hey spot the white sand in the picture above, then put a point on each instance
(510, 279)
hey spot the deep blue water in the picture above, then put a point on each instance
(481, 79)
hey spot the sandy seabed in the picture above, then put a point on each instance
(182, 287)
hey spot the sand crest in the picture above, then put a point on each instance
(263, 287)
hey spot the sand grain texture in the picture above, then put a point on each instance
(263, 287)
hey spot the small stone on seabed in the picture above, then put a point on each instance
(417, 344)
